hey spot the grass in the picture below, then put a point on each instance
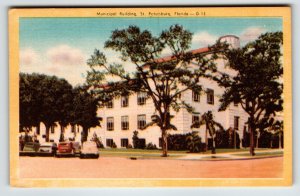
(140, 153)
(262, 154)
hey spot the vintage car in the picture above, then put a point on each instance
(76, 148)
(30, 149)
(89, 150)
(65, 149)
(47, 149)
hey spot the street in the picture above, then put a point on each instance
(122, 167)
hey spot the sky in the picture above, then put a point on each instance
(61, 46)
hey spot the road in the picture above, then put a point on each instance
(121, 167)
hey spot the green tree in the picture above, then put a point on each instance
(43, 99)
(52, 92)
(211, 126)
(257, 84)
(162, 79)
(29, 102)
(84, 112)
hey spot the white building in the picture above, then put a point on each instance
(125, 115)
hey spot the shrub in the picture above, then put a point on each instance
(151, 146)
(225, 139)
(135, 139)
(194, 142)
(114, 145)
(129, 146)
(138, 143)
(98, 141)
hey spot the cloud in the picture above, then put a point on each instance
(64, 55)
(28, 57)
(203, 39)
(251, 33)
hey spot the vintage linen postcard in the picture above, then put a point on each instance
(150, 97)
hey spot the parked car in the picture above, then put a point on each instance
(47, 149)
(30, 149)
(76, 147)
(89, 149)
(65, 149)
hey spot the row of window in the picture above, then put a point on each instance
(142, 96)
(141, 122)
(141, 100)
(124, 142)
(196, 118)
(209, 93)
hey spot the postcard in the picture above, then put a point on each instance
(150, 97)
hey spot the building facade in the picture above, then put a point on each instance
(122, 116)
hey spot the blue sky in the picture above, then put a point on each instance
(61, 46)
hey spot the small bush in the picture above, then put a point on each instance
(114, 145)
(129, 146)
(98, 141)
(151, 146)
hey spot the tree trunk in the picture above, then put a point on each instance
(38, 129)
(252, 153)
(206, 139)
(62, 130)
(164, 143)
(47, 133)
(279, 144)
(258, 133)
(84, 134)
(213, 151)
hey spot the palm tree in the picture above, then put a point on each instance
(210, 125)
(157, 121)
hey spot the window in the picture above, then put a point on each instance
(110, 104)
(236, 123)
(73, 128)
(235, 103)
(141, 98)
(110, 123)
(196, 118)
(141, 120)
(196, 96)
(124, 101)
(124, 142)
(210, 96)
(109, 142)
(124, 123)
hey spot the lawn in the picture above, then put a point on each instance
(139, 153)
(262, 154)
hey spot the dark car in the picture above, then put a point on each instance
(30, 149)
